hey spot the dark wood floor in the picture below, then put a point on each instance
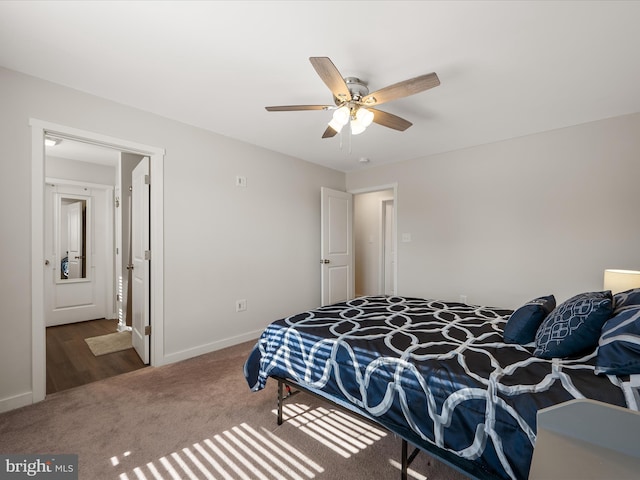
(70, 363)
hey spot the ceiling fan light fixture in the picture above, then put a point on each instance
(341, 115)
(364, 116)
(360, 120)
(337, 126)
(357, 127)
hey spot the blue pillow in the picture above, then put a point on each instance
(626, 299)
(574, 326)
(524, 322)
(619, 345)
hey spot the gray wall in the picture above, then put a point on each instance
(505, 222)
(221, 242)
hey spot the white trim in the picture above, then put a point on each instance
(94, 138)
(378, 188)
(38, 334)
(156, 239)
(17, 401)
(213, 346)
(38, 129)
(382, 244)
(77, 183)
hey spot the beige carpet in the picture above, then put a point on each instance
(112, 342)
(196, 419)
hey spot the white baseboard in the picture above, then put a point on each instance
(211, 347)
(24, 399)
(17, 401)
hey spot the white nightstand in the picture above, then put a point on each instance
(585, 439)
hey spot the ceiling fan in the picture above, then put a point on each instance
(353, 102)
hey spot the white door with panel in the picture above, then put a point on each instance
(337, 258)
(140, 255)
(78, 253)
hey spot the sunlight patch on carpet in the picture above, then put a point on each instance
(337, 430)
(239, 453)
(410, 472)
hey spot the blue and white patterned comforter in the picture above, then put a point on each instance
(435, 373)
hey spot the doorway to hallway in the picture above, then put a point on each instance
(374, 240)
(40, 130)
(90, 179)
(358, 238)
(70, 362)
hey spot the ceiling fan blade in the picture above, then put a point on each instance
(402, 89)
(329, 132)
(390, 120)
(331, 77)
(293, 108)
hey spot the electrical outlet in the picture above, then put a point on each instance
(463, 299)
(241, 305)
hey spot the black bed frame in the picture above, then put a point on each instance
(462, 465)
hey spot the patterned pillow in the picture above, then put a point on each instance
(524, 322)
(625, 299)
(574, 326)
(619, 345)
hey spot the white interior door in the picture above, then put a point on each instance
(140, 251)
(337, 272)
(77, 253)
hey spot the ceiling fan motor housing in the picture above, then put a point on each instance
(357, 88)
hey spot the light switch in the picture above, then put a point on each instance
(241, 181)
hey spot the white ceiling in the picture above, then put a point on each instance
(84, 152)
(508, 68)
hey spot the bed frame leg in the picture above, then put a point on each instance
(280, 402)
(407, 459)
(405, 464)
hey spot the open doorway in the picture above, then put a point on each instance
(86, 227)
(40, 130)
(374, 240)
(357, 243)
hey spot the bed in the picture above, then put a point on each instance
(438, 374)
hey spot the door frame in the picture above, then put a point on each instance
(38, 330)
(382, 271)
(394, 228)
